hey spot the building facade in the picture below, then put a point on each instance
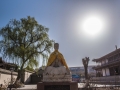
(7, 66)
(76, 70)
(79, 72)
(91, 71)
(109, 64)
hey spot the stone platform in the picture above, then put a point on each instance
(57, 86)
(57, 78)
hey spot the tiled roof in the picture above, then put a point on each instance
(108, 55)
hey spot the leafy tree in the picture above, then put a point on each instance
(23, 41)
(30, 69)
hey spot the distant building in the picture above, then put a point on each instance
(79, 72)
(76, 72)
(91, 71)
(109, 64)
(6, 65)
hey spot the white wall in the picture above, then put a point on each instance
(98, 63)
(103, 71)
(27, 77)
(103, 61)
(106, 60)
(107, 72)
(5, 76)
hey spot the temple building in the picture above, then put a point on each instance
(7, 66)
(109, 64)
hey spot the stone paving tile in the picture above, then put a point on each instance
(34, 87)
(27, 87)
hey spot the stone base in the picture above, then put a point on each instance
(57, 78)
(57, 86)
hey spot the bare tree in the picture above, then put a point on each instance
(85, 62)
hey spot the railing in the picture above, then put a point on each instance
(108, 63)
(111, 80)
(118, 59)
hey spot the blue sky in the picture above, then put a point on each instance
(62, 18)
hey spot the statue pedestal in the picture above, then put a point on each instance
(57, 78)
(56, 74)
(57, 86)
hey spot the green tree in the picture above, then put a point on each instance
(23, 41)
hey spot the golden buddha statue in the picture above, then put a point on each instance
(57, 69)
(56, 59)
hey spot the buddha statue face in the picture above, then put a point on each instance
(56, 46)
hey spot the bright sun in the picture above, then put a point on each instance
(92, 25)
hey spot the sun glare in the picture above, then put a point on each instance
(92, 25)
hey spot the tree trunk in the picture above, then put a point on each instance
(19, 75)
(85, 63)
(86, 78)
(86, 73)
(20, 72)
(18, 82)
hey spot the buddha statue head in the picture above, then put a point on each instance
(56, 46)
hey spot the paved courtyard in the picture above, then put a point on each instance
(27, 87)
(80, 85)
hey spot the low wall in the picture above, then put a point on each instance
(106, 80)
(27, 77)
(5, 76)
